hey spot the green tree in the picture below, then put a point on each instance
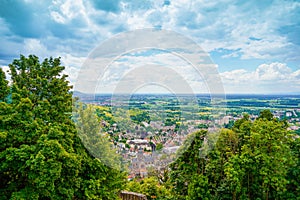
(254, 160)
(138, 116)
(293, 187)
(202, 126)
(41, 155)
(188, 164)
(198, 188)
(266, 114)
(150, 187)
(97, 142)
(105, 114)
(4, 89)
(159, 146)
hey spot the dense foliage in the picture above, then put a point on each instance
(151, 187)
(4, 89)
(253, 160)
(41, 155)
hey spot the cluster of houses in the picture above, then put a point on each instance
(141, 155)
(140, 150)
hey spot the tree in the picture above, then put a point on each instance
(253, 160)
(199, 188)
(105, 115)
(293, 186)
(138, 116)
(266, 114)
(4, 89)
(41, 154)
(150, 187)
(98, 143)
(188, 164)
(159, 146)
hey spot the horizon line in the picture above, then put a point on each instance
(223, 94)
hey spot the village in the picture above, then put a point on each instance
(149, 147)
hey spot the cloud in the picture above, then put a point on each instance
(24, 18)
(273, 72)
(236, 76)
(6, 70)
(225, 24)
(142, 66)
(67, 11)
(266, 78)
(72, 66)
(34, 46)
(296, 75)
(237, 30)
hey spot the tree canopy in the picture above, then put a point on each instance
(4, 89)
(254, 160)
(41, 155)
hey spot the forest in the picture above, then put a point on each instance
(42, 156)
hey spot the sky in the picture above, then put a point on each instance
(254, 45)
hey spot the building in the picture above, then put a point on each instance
(139, 164)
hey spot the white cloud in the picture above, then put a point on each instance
(6, 70)
(228, 26)
(236, 76)
(296, 75)
(64, 12)
(34, 46)
(72, 66)
(267, 78)
(140, 66)
(244, 30)
(273, 72)
(224, 24)
(57, 17)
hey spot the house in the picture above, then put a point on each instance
(139, 164)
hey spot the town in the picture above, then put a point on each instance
(147, 130)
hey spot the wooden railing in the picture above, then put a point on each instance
(132, 196)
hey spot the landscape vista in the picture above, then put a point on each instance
(178, 100)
